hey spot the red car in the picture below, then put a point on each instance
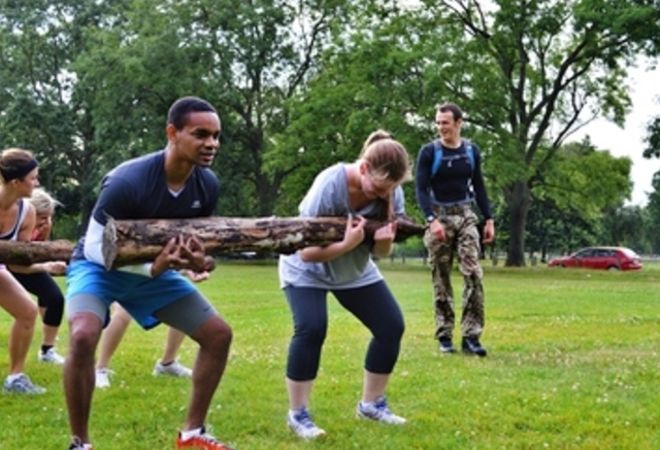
(608, 258)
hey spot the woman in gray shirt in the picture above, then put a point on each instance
(369, 188)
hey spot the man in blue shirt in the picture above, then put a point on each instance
(175, 182)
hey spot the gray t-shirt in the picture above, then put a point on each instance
(327, 197)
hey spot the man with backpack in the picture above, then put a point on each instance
(448, 183)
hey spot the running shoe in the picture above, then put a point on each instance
(22, 385)
(378, 411)
(50, 356)
(301, 423)
(174, 369)
(202, 441)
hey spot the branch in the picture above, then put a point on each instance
(318, 27)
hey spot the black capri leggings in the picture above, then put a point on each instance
(49, 295)
(373, 305)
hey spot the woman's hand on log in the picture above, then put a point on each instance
(354, 234)
(55, 267)
(386, 233)
(383, 239)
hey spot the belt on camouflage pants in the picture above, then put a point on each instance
(451, 209)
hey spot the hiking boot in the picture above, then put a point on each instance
(22, 385)
(301, 423)
(202, 441)
(174, 369)
(103, 378)
(77, 444)
(471, 346)
(50, 356)
(379, 412)
(446, 345)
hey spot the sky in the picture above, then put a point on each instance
(628, 141)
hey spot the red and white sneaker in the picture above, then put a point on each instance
(201, 441)
(77, 444)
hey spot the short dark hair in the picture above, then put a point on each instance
(16, 163)
(455, 110)
(181, 109)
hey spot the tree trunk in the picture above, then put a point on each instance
(519, 200)
(135, 241)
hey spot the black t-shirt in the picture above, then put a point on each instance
(137, 189)
(457, 180)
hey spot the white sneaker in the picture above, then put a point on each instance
(50, 356)
(301, 423)
(174, 369)
(379, 412)
(103, 378)
(22, 385)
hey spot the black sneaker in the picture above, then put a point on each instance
(471, 346)
(446, 345)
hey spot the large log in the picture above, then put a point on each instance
(135, 241)
(26, 253)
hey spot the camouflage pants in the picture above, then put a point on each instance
(462, 237)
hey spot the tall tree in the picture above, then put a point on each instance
(653, 208)
(579, 189)
(248, 58)
(527, 72)
(653, 211)
(530, 72)
(41, 105)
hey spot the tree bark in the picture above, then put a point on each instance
(26, 253)
(519, 200)
(136, 241)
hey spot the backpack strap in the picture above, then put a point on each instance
(438, 153)
(437, 157)
(469, 151)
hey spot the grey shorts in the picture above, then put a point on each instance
(185, 314)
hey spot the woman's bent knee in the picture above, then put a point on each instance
(27, 316)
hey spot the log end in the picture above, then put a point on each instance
(109, 244)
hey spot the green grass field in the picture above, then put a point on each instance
(574, 364)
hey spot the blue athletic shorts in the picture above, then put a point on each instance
(139, 294)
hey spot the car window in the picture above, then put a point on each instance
(629, 253)
(586, 253)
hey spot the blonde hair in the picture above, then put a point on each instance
(43, 202)
(15, 163)
(387, 158)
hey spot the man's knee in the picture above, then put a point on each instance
(85, 331)
(214, 334)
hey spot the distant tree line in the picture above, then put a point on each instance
(299, 85)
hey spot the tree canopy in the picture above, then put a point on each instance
(300, 84)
